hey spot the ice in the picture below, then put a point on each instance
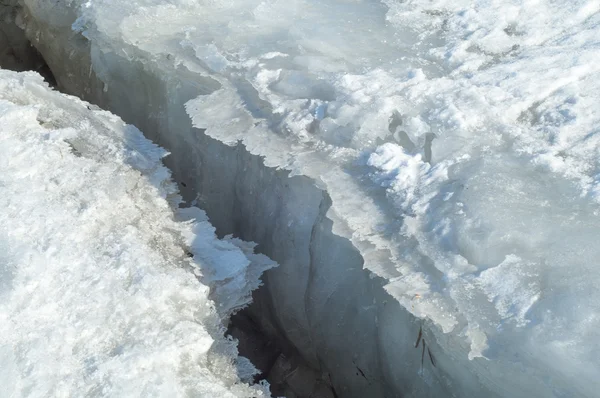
(99, 296)
(451, 150)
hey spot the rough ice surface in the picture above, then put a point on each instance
(99, 296)
(458, 142)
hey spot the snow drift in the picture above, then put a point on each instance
(448, 147)
(99, 294)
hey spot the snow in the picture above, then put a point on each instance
(457, 140)
(98, 294)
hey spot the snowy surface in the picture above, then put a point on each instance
(459, 141)
(98, 294)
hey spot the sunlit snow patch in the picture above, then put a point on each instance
(99, 294)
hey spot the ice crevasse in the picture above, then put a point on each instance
(414, 167)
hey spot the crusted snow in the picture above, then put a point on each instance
(98, 295)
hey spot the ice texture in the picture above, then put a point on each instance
(99, 294)
(451, 149)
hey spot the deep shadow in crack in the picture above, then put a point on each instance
(16, 51)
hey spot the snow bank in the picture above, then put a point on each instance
(99, 294)
(455, 145)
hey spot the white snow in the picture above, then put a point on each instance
(458, 140)
(98, 296)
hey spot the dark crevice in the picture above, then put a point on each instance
(16, 51)
(279, 363)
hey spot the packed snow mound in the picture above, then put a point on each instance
(459, 142)
(99, 294)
